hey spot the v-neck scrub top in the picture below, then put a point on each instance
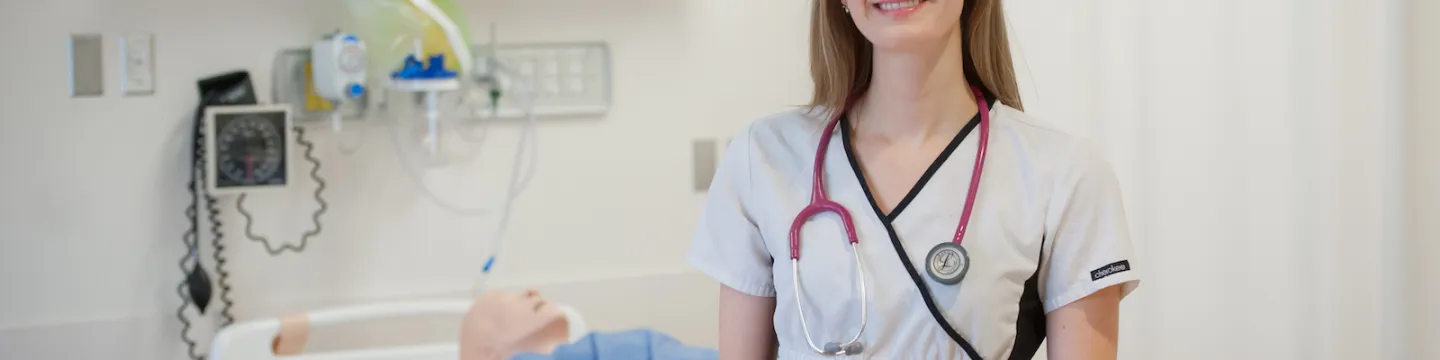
(1048, 228)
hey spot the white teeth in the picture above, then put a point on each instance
(898, 5)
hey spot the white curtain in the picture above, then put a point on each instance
(1258, 142)
(1420, 275)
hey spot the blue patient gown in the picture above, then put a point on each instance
(626, 345)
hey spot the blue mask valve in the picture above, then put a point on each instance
(432, 69)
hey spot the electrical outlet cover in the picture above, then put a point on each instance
(706, 160)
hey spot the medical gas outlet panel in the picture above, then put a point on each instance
(570, 79)
(558, 79)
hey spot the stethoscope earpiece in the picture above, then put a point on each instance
(855, 349)
(835, 349)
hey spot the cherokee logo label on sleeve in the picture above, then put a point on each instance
(1112, 269)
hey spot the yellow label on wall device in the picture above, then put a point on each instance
(313, 101)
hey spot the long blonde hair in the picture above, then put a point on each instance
(840, 55)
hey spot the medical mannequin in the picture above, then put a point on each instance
(525, 326)
(502, 324)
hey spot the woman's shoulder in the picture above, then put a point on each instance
(784, 131)
(1053, 145)
(1020, 123)
(781, 142)
(789, 125)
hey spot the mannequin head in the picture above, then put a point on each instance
(503, 323)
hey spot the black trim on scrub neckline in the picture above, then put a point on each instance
(895, 238)
(924, 178)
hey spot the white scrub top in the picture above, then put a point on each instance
(1048, 228)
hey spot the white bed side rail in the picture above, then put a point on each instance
(255, 340)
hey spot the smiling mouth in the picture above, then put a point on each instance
(891, 5)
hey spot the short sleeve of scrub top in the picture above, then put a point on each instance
(1090, 242)
(727, 244)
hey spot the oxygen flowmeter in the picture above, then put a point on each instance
(338, 66)
(338, 61)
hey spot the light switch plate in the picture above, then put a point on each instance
(87, 65)
(137, 69)
(706, 159)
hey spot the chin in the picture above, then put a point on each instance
(904, 25)
(907, 39)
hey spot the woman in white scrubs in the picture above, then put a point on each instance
(1047, 244)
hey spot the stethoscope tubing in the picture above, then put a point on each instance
(819, 200)
(821, 203)
(800, 308)
(983, 148)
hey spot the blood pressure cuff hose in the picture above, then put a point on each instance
(231, 88)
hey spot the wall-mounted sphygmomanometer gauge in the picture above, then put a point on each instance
(247, 148)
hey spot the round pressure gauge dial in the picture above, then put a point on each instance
(249, 148)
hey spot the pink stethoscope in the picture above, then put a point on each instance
(946, 263)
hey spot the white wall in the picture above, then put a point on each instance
(1245, 141)
(93, 264)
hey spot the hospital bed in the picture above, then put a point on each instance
(281, 338)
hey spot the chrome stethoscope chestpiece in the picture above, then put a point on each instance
(947, 263)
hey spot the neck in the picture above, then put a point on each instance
(497, 343)
(546, 339)
(914, 95)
